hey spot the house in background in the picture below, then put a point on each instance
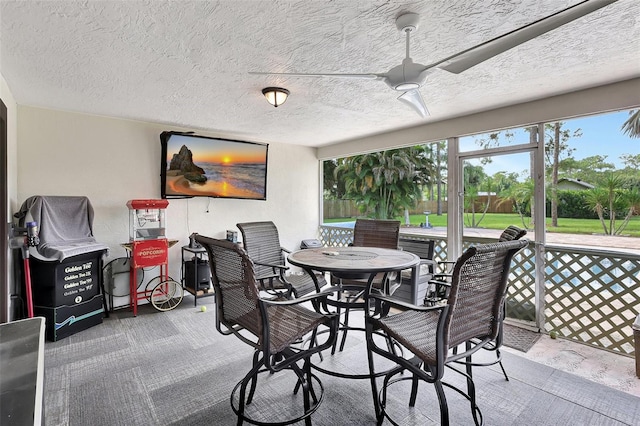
(573, 184)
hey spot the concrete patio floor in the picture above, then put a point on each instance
(598, 365)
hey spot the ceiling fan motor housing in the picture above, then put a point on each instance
(407, 76)
(407, 22)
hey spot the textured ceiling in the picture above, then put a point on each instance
(186, 63)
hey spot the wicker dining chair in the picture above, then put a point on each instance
(366, 233)
(283, 333)
(262, 242)
(510, 233)
(470, 316)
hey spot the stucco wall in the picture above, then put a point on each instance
(112, 161)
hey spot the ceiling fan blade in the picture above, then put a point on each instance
(473, 56)
(413, 98)
(294, 74)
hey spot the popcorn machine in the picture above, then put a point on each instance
(149, 247)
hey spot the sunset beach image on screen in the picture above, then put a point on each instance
(211, 167)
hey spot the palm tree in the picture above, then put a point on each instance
(631, 127)
(632, 199)
(598, 198)
(475, 180)
(383, 184)
(610, 200)
(521, 194)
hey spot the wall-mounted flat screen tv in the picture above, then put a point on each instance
(200, 166)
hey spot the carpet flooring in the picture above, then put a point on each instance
(174, 368)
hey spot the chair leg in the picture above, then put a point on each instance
(442, 400)
(304, 380)
(307, 370)
(414, 391)
(313, 340)
(504, 372)
(346, 328)
(471, 390)
(307, 388)
(254, 378)
(251, 377)
(372, 370)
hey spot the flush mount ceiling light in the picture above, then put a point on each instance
(276, 96)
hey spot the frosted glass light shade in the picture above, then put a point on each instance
(276, 96)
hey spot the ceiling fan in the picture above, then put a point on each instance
(409, 77)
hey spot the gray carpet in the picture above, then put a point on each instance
(519, 338)
(174, 368)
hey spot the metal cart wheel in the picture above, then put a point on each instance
(166, 295)
(113, 270)
(153, 282)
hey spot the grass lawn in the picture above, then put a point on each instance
(502, 220)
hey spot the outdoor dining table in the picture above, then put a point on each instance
(349, 261)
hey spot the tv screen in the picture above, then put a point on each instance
(200, 166)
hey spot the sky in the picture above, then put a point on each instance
(601, 135)
(216, 150)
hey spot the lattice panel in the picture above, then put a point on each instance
(593, 298)
(333, 236)
(521, 292)
(520, 299)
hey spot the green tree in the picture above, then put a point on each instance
(521, 194)
(503, 180)
(383, 184)
(333, 187)
(631, 127)
(610, 201)
(629, 174)
(437, 153)
(631, 160)
(557, 144)
(589, 169)
(475, 181)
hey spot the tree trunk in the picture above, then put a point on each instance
(439, 179)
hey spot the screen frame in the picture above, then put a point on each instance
(164, 142)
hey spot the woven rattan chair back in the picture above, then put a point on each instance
(376, 233)
(512, 233)
(478, 289)
(262, 242)
(235, 287)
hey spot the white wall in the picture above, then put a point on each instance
(12, 185)
(112, 161)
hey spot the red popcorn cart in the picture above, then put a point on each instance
(149, 248)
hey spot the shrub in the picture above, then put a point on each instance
(572, 204)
